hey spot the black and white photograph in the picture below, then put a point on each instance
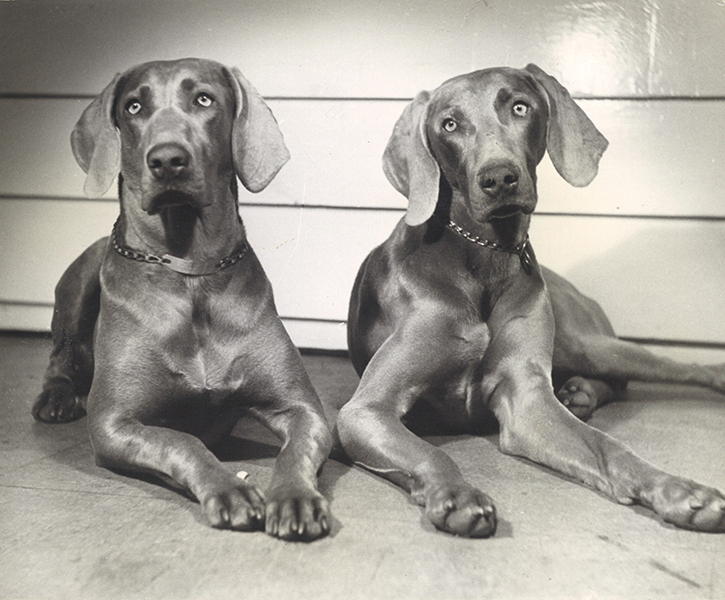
(362, 299)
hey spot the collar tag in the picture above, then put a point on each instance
(526, 258)
(179, 265)
(190, 267)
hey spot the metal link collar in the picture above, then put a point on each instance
(523, 250)
(179, 265)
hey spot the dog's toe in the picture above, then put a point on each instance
(462, 510)
(687, 504)
(297, 516)
(579, 397)
(241, 507)
(58, 404)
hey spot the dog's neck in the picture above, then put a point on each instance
(509, 232)
(184, 231)
(496, 248)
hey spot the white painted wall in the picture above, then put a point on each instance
(647, 238)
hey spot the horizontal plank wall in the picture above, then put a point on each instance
(371, 48)
(646, 238)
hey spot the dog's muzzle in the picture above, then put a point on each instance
(171, 182)
(154, 204)
(499, 179)
(168, 162)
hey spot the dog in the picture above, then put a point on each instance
(453, 311)
(169, 325)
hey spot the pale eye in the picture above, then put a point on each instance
(520, 109)
(450, 125)
(133, 107)
(204, 100)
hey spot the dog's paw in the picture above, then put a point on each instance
(297, 515)
(579, 396)
(461, 510)
(58, 404)
(238, 506)
(687, 504)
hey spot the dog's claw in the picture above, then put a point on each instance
(297, 515)
(236, 507)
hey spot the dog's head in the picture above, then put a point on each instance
(176, 130)
(486, 132)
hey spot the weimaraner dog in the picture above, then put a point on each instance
(187, 337)
(453, 310)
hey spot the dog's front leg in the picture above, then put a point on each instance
(182, 460)
(286, 402)
(295, 509)
(535, 425)
(69, 374)
(126, 436)
(372, 433)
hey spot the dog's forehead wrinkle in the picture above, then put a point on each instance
(503, 95)
(456, 105)
(188, 84)
(192, 79)
(144, 94)
(135, 83)
(475, 109)
(146, 85)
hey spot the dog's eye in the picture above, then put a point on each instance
(450, 125)
(204, 100)
(133, 107)
(520, 109)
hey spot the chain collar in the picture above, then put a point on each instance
(180, 265)
(523, 250)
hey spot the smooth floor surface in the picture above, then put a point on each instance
(73, 530)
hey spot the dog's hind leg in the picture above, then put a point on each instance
(592, 366)
(605, 365)
(582, 396)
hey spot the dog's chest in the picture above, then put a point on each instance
(210, 347)
(202, 334)
(212, 370)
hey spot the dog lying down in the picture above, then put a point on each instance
(169, 324)
(454, 310)
(187, 337)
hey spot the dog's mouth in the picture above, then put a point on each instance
(169, 199)
(507, 211)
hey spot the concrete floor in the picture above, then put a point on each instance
(73, 530)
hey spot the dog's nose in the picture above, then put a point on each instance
(498, 179)
(168, 161)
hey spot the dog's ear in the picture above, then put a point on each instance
(574, 144)
(258, 147)
(408, 163)
(96, 142)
